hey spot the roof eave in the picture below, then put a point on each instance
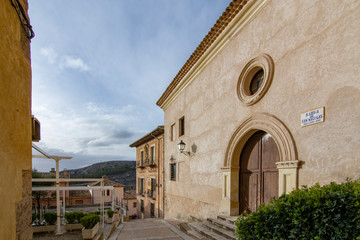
(155, 133)
(236, 15)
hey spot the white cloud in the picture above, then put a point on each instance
(97, 131)
(50, 54)
(73, 63)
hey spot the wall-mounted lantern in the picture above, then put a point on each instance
(181, 146)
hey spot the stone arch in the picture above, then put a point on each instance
(288, 165)
(267, 123)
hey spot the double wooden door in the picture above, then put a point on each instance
(258, 172)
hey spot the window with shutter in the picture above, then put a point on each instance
(173, 171)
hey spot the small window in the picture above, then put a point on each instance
(152, 155)
(134, 204)
(181, 126)
(152, 210)
(172, 132)
(173, 171)
(141, 186)
(142, 159)
(256, 81)
(153, 188)
(108, 192)
(142, 205)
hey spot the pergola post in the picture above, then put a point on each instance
(113, 199)
(58, 223)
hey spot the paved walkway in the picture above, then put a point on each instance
(139, 229)
(142, 229)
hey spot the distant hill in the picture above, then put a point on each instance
(123, 172)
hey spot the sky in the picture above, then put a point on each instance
(99, 67)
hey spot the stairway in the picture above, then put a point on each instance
(221, 228)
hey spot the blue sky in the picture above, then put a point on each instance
(98, 68)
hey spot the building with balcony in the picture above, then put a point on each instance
(149, 172)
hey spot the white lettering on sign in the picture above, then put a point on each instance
(312, 117)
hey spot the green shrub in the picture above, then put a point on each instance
(110, 213)
(73, 217)
(35, 216)
(70, 217)
(50, 218)
(328, 212)
(79, 215)
(90, 220)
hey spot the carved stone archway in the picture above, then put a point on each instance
(288, 165)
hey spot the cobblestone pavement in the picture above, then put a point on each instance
(142, 229)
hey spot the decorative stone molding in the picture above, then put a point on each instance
(288, 172)
(225, 201)
(226, 182)
(288, 166)
(263, 62)
(264, 122)
(234, 19)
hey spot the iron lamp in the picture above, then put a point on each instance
(181, 146)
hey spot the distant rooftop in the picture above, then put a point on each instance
(130, 194)
(153, 134)
(107, 182)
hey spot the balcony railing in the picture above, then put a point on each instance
(146, 163)
(140, 165)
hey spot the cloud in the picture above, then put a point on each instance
(64, 61)
(73, 63)
(95, 130)
(121, 134)
(50, 54)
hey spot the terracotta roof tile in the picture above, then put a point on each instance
(129, 194)
(107, 182)
(156, 132)
(230, 12)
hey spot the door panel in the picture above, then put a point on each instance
(251, 152)
(249, 197)
(258, 172)
(270, 153)
(270, 189)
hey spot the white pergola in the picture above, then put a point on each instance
(57, 188)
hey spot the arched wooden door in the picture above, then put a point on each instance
(258, 172)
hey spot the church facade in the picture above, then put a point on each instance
(268, 102)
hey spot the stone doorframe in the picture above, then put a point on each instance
(288, 165)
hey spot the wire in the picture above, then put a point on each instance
(23, 19)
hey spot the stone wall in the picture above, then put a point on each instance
(315, 49)
(15, 126)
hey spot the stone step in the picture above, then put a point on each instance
(230, 219)
(184, 227)
(196, 235)
(199, 227)
(228, 234)
(222, 223)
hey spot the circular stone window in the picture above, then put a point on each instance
(255, 79)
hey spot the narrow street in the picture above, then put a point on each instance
(141, 229)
